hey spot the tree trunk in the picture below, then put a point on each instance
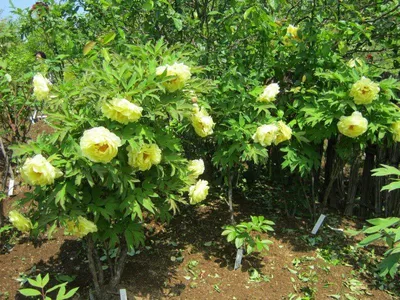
(367, 192)
(352, 188)
(230, 196)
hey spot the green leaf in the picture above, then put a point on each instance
(148, 5)
(108, 38)
(370, 239)
(30, 292)
(149, 205)
(178, 24)
(71, 293)
(389, 265)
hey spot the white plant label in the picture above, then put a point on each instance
(11, 187)
(318, 224)
(122, 294)
(238, 260)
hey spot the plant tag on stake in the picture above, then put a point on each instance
(238, 260)
(11, 187)
(318, 224)
(122, 293)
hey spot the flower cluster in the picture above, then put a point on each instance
(180, 73)
(269, 94)
(352, 126)
(202, 123)
(272, 133)
(364, 91)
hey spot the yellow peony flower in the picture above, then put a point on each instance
(198, 192)
(20, 222)
(99, 144)
(122, 111)
(196, 168)
(352, 126)
(181, 73)
(364, 91)
(203, 124)
(38, 171)
(81, 227)
(266, 134)
(284, 133)
(355, 62)
(145, 158)
(269, 93)
(396, 131)
(292, 31)
(41, 87)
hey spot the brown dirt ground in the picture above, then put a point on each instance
(188, 259)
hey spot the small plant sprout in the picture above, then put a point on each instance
(40, 292)
(243, 234)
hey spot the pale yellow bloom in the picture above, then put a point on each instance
(20, 222)
(284, 133)
(354, 62)
(181, 73)
(145, 158)
(81, 227)
(41, 87)
(352, 126)
(38, 171)
(293, 31)
(198, 192)
(99, 144)
(364, 91)
(196, 167)
(122, 111)
(202, 123)
(266, 134)
(269, 93)
(396, 131)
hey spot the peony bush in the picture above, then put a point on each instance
(115, 160)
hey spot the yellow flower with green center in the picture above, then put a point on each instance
(292, 31)
(284, 133)
(20, 222)
(396, 131)
(364, 91)
(180, 73)
(198, 192)
(196, 168)
(122, 111)
(99, 144)
(81, 227)
(38, 171)
(144, 158)
(41, 87)
(352, 126)
(202, 123)
(266, 134)
(269, 94)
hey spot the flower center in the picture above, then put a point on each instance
(103, 148)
